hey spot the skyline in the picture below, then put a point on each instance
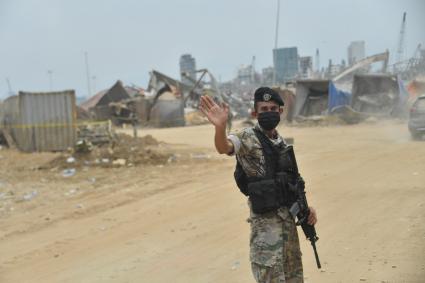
(45, 41)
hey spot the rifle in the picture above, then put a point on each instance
(299, 208)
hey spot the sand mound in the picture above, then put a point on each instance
(123, 151)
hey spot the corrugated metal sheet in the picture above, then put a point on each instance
(42, 121)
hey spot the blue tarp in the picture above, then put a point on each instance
(337, 97)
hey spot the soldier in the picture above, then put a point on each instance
(274, 246)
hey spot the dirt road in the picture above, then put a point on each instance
(185, 221)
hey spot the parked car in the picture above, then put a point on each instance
(417, 118)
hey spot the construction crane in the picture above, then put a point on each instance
(401, 39)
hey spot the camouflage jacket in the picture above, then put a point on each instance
(249, 151)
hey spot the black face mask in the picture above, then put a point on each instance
(268, 120)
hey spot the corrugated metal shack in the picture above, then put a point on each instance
(42, 121)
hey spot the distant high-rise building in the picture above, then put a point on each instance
(244, 75)
(356, 52)
(267, 75)
(306, 66)
(285, 63)
(187, 67)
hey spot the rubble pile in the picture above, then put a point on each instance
(123, 151)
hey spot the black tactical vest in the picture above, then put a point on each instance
(274, 189)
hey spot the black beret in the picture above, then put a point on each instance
(267, 94)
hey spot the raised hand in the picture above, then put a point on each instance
(216, 114)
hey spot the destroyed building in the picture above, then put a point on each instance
(311, 97)
(166, 108)
(377, 94)
(98, 105)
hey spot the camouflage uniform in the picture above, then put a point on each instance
(274, 246)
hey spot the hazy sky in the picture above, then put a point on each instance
(126, 39)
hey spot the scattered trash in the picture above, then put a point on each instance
(68, 172)
(92, 179)
(120, 162)
(105, 160)
(200, 156)
(172, 158)
(236, 265)
(394, 266)
(83, 146)
(71, 192)
(30, 196)
(363, 279)
(70, 160)
(79, 206)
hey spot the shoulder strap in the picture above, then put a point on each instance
(270, 153)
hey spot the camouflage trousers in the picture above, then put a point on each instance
(275, 249)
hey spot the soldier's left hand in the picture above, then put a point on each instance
(312, 217)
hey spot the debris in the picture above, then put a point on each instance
(363, 279)
(71, 192)
(200, 156)
(79, 206)
(30, 196)
(135, 151)
(68, 172)
(119, 162)
(172, 158)
(70, 160)
(236, 265)
(92, 180)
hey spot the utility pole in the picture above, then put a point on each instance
(94, 83)
(49, 73)
(87, 73)
(253, 70)
(276, 37)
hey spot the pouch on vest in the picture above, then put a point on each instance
(264, 196)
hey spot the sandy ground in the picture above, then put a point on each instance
(185, 221)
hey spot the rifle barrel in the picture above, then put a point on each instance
(313, 243)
